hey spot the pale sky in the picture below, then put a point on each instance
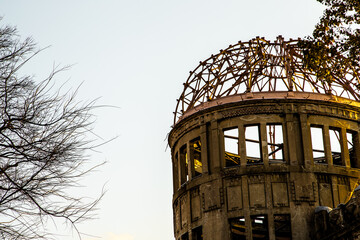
(135, 55)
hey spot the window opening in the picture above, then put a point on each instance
(197, 233)
(184, 164)
(237, 228)
(176, 171)
(185, 236)
(282, 224)
(350, 137)
(195, 146)
(259, 226)
(253, 152)
(275, 143)
(317, 141)
(335, 146)
(231, 142)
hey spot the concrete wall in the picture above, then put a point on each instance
(251, 191)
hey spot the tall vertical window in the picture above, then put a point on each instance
(335, 146)
(237, 228)
(252, 141)
(231, 142)
(197, 233)
(176, 171)
(260, 229)
(185, 236)
(275, 142)
(351, 137)
(195, 148)
(184, 168)
(282, 224)
(317, 141)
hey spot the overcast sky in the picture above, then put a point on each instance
(135, 55)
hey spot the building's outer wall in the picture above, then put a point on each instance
(294, 187)
(341, 223)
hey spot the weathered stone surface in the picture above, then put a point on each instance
(341, 223)
(233, 190)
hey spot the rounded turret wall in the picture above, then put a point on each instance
(255, 164)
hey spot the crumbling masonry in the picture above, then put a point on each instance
(259, 143)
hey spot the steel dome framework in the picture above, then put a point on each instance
(260, 66)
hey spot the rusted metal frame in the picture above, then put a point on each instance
(251, 140)
(290, 72)
(253, 64)
(356, 75)
(276, 144)
(192, 88)
(232, 137)
(298, 65)
(220, 93)
(299, 82)
(276, 72)
(219, 85)
(346, 87)
(194, 76)
(346, 83)
(275, 151)
(190, 102)
(299, 85)
(176, 113)
(215, 82)
(187, 102)
(310, 80)
(216, 76)
(242, 61)
(239, 80)
(199, 77)
(183, 97)
(280, 66)
(354, 78)
(234, 76)
(200, 92)
(272, 78)
(199, 80)
(259, 63)
(271, 75)
(262, 85)
(252, 77)
(316, 150)
(312, 83)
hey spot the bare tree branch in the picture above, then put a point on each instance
(42, 146)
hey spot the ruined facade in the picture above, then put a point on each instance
(258, 143)
(341, 223)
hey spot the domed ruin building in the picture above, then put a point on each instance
(259, 142)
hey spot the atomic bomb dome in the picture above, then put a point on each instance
(263, 148)
(260, 66)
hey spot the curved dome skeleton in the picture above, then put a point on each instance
(260, 66)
